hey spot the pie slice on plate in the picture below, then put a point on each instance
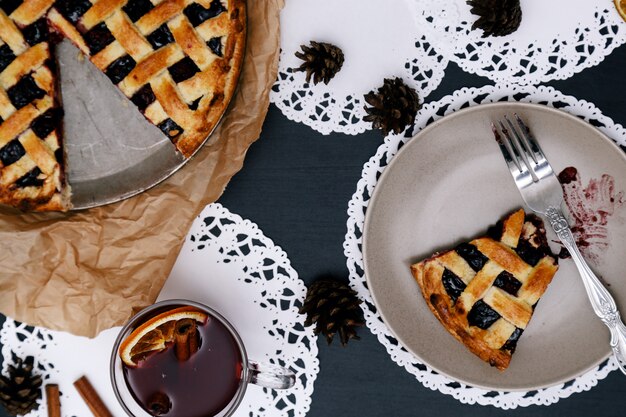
(484, 291)
(177, 60)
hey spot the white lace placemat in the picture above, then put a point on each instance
(556, 39)
(352, 246)
(380, 39)
(226, 263)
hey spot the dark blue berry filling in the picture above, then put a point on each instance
(60, 156)
(24, 92)
(120, 68)
(11, 152)
(30, 179)
(47, 122)
(198, 14)
(215, 44)
(6, 56)
(143, 97)
(36, 32)
(8, 6)
(72, 10)
(98, 37)
(183, 70)
(194, 104)
(511, 344)
(528, 253)
(472, 256)
(453, 284)
(134, 9)
(170, 128)
(507, 282)
(482, 315)
(160, 37)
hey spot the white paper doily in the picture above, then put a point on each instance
(557, 38)
(352, 245)
(228, 264)
(380, 39)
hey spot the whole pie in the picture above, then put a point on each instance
(484, 291)
(176, 60)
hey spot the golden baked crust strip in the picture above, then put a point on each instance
(173, 105)
(191, 43)
(478, 287)
(502, 255)
(100, 10)
(455, 263)
(538, 281)
(11, 35)
(163, 12)
(513, 310)
(128, 36)
(67, 29)
(150, 67)
(20, 120)
(6, 107)
(30, 11)
(25, 63)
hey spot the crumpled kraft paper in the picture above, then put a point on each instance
(88, 271)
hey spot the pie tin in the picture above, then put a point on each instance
(112, 151)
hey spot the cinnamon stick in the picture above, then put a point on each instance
(53, 400)
(185, 339)
(91, 397)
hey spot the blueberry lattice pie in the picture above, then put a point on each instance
(176, 60)
(484, 292)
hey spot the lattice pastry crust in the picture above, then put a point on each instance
(484, 292)
(177, 60)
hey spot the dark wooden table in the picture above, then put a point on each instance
(296, 185)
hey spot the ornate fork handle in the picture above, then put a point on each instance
(601, 300)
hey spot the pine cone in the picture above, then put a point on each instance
(322, 60)
(21, 390)
(496, 17)
(334, 308)
(393, 108)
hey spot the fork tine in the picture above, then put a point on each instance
(518, 169)
(530, 141)
(511, 162)
(522, 134)
(542, 168)
(510, 144)
(521, 151)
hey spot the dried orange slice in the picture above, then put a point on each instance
(621, 8)
(154, 334)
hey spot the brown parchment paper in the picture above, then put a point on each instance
(88, 271)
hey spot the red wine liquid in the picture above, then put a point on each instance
(199, 387)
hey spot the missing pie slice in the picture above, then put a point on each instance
(176, 60)
(484, 292)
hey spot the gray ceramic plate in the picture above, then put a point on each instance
(113, 152)
(447, 185)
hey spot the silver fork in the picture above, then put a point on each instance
(542, 192)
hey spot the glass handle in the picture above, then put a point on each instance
(271, 376)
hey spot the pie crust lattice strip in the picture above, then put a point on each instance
(177, 60)
(484, 292)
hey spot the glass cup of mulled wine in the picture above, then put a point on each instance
(181, 358)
